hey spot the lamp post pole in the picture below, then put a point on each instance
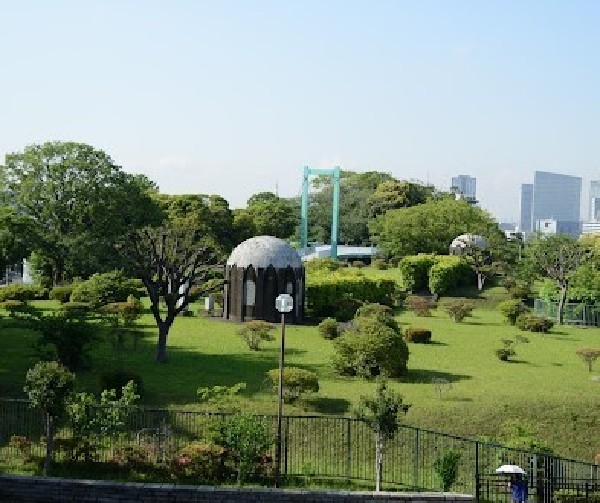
(284, 304)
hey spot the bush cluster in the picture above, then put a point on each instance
(449, 272)
(256, 331)
(415, 271)
(417, 335)
(116, 379)
(459, 309)
(379, 264)
(17, 291)
(419, 304)
(533, 323)
(61, 293)
(200, 463)
(339, 293)
(512, 309)
(105, 288)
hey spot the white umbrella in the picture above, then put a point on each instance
(510, 469)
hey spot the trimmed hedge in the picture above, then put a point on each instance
(449, 272)
(105, 288)
(415, 271)
(61, 293)
(18, 291)
(296, 382)
(328, 328)
(417, 335)
(327, 292)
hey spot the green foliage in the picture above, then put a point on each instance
(573, 496)
(429, 227)
(328, 328)
(104, 288)
(296, 382)
(126, 312)
(379, 264)
(47, 385)
(394, 194)
(521, 434)
(446, 468)
(419, 304)
(199, 463)
(61, 293)
(76, 308)
(415, 271)
(221, 398)
(369, 348)
(512, 309)
(118, 379)
(18, 291)
(91, 418)
(249, 439)
(15, 242)
(383, 314)
(447, 273)
(255, 332)
(458, 309)
(80, 202)
(13, 307)
(505, 353)
(66, 336)
(272, 215)
(339, 293)
(417, 335)
(532, 323)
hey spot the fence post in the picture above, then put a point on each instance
(477, 491)
(416, 448)
(286, 442)
(348, 449)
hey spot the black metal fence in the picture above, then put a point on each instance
(574, 313)
(336, 448)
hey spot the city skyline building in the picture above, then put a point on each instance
(595, 201)
(465, 186)
(551, 204)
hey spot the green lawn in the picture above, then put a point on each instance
(546, 385)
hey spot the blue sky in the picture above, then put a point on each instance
(234, 97)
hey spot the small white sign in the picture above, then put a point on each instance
(284, 303)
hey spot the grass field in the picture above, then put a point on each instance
(545, 387)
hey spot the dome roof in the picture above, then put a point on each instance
(263, 251)
(472, 240)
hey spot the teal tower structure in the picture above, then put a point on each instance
(335, 222)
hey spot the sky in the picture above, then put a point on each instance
(235, 97)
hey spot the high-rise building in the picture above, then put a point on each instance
(552, 197)
(525, 222)
(465, 186)
(595, 201)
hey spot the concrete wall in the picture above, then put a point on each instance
(18, 488)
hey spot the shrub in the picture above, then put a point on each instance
(200, 462)
(369, 348)
(328, 328)
(12, 306)
(459, 309)
(415, 271)
(296, 382)
(512, 309)
(256, 331)
(128, 312)
(448, 272)
(76, 308)
(505, 353)
(104, 288)
(137, 457)
(379, 264)
(383, 314)
(446, 467)
(532, 323)
(417, 335)
(117, 379)
(18, 291)
(339, 293)
(61, 293)
(420, 305)
(358, 263)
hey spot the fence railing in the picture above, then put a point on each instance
(331, 447)
(573, 313)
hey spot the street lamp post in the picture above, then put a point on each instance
(284, 303)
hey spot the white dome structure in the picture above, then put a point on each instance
(263, 251)
(460, 243)
(257, 271)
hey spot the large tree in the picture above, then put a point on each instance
(80, 203)
(429, 227)
(15, 233)
(394, 194)
(557, 258)
(169, 261)
(272, 215)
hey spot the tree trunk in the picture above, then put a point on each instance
(480, 281)
(561, 304)
(161, 347)
(49, 443)
(378, 463)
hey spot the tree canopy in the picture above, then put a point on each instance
(430, 227)
(80, 203)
